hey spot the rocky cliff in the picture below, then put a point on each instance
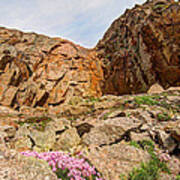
(142, 47)
(139, 49)
(36, 70)
(58, 96)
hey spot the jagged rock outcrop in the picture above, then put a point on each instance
(54, 96)
(139, 49)
(142, 47)
(36, 70)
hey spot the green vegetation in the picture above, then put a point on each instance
(163, 116)
(151, 169)
(72, 118)
(144, 144)
(178, 177)
(106, 115)
(148, 171)
(147, 145)
(122, 177)
(92, 99)
(135, 144)
(112, 110)
(157, 100)
(38, 122)
(62, 174)
(149, 100)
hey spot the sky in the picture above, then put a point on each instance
(81, 21)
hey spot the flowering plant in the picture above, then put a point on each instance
(67, 167)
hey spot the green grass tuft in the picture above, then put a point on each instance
(151, 169)
(149, 100)
(163, 117)
(135, 144)
(39, 122)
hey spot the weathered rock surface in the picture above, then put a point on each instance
(117, 159)
(14, 166)
(142, 48)
(139, 49)
(67, 140)
(111, 131)
(54, 95)
(103, 132)
(40, 71)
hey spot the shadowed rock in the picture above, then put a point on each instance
(142, 47)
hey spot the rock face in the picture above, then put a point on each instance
(139, 49)
(54, 96)
(36, 70)
(142, 47)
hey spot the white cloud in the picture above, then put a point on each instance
(83, 21)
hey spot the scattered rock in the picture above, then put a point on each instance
(140, 136)
(110, 131)
(166, 141)
(67, 140)
(112, 161)
(36, 70)
(55, 95)
(174, 129)
(16, 166)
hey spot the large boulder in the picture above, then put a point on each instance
(113, 161)
(111, 131)
(16, 166)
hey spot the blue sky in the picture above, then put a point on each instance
(81, 21)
